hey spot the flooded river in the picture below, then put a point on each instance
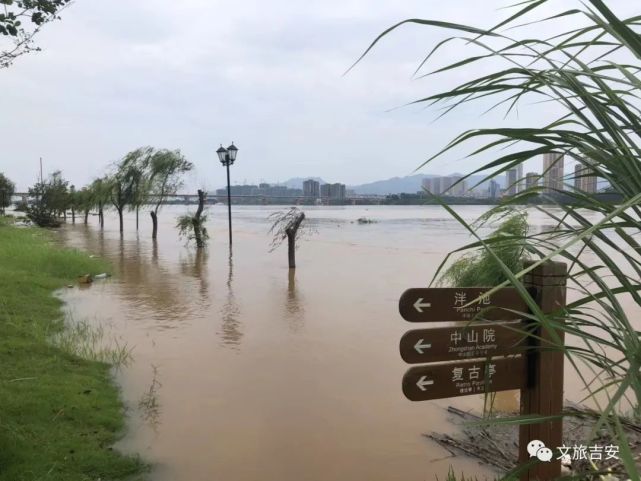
(247, 371)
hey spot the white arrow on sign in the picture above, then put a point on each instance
(419, 346)
(419, 304)
(423, 381)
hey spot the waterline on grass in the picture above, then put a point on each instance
(91, 341)
(149, 404)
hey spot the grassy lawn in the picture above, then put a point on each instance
(59, 414)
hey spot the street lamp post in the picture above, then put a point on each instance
(227, 156)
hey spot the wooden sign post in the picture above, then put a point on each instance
(441, 380)
(502, 352)
(465, 342)
(544, 394)
(451, 304)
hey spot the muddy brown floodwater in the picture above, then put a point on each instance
(251, 371)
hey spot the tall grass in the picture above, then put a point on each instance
(587, 73)
(91, 341)
(452, 476)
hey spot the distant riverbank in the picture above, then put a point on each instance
(61, 414)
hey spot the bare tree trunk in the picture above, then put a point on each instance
(120, 219)
(137, 209)
(291, 239)
(73, 215)
(196, 221)
(101, 216)
(154, 221)
(291, 250)
(86, 216)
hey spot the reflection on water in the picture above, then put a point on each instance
(295, 312)
(231, 334)
(272, 373)
(194, 264)
(149, 404)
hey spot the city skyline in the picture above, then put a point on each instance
(552, 173)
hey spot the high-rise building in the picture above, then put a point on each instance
(578, 176)
(337, 191)
(494, 191)
(514, 180)
(446, 185)
(584, 179)
(311, 188)
(553, 172)
(520, 178)
(590, 183)
(433, 185)
(457, 186)
(531, 180)
(511, 181)
(333, 191)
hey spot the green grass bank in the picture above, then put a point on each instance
(59, 414)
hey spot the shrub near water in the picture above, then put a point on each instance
(59, 414)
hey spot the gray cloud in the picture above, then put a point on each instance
(268, 75)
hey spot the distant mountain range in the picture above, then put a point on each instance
(395, 185)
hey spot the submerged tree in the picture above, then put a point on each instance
(193, 226)
(117, 186)
(99, 196)
(73, 202)
(288, 225)
(130, 182)
(166, 168)
(134, 168)
(84, 202)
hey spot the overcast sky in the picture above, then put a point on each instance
(191, 74)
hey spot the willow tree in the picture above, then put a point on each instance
(166, 169)
(135, 170)
(589, 73)
(100, 193)
(287, 225)
(73, 202)
(84, 202)
(192, 226)
(118, 195)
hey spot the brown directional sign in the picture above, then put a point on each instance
(443, 380)
(461, 343)
(451, 304)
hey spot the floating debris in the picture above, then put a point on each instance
(497, 445)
